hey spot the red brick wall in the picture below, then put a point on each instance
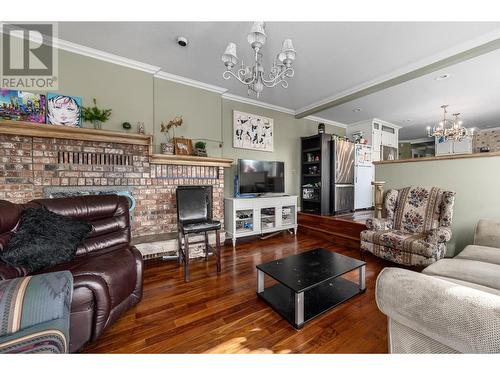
(28, 164)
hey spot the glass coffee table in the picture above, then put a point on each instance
(309, 284)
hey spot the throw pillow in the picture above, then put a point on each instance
(44, 239)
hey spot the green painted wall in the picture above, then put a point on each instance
(475, 180)
(200, 110)
(287, 133)
(138, 96)
(128, 92)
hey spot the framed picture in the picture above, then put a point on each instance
(183, 146)
(252, 132)
(22, 106)
(64, 110)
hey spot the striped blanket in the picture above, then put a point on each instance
(34, 313)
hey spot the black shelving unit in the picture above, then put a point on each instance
(315, 171)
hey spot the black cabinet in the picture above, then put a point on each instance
(315, 174)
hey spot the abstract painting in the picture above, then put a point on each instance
(22, 106)
(252, 132)
(64, 110)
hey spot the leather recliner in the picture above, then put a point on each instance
(107, 271)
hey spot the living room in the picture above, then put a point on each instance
(211, 186)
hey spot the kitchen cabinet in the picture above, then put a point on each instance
(378, 133)
(454, 147)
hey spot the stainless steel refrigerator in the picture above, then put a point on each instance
(342, 177)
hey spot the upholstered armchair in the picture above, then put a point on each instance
(415, 228)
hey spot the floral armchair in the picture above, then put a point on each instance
(415, 228)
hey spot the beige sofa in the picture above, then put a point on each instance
(453, 306)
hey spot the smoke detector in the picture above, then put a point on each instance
(182, 41)
(442, 76)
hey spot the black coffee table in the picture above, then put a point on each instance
(309, 284)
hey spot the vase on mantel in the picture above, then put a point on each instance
(97, 124)
(167, 148)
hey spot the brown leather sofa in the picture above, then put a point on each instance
(107, 271)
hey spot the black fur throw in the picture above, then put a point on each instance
(44, 238)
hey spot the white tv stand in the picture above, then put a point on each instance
(256, 216)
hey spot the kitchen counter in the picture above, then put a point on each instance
(437, 158)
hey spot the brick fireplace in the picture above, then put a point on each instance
(30, 164)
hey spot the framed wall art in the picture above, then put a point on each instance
(253, 132)
(183, 146)
(64, 110)
(22, 106)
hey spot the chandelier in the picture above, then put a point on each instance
(450, 129)
(253, 76)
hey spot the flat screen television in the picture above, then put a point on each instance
(260, 177)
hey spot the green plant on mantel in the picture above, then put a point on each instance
(201, 145)
(95, 115)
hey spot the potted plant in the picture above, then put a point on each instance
(200, 148)
(95, 115)
(168, 146)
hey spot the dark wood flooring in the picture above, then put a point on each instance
(222, 314)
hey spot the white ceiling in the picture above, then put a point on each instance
(332, 57)
(473, 89)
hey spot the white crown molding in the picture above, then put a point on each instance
(326, 121)
(258, 103)
(189, 82)
(463, 47)
(104, 56)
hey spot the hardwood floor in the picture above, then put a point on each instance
(222, 314)
(343, 230)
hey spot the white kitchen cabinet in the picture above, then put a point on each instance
(389, 136)
(454, 147)
(377, 137)
(463, 147)
(377, 132)
(444, 148)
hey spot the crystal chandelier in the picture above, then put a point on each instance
(450, 129)
(253, 77)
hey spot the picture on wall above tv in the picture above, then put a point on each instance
(260, 177)
(22, 106)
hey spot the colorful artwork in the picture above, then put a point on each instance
(64, 110)
(253, 132)
(22, 106)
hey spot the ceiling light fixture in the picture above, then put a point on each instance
(447, 129)
(253, 77)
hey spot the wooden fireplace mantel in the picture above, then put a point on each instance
(190, 160)
(29, 129)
